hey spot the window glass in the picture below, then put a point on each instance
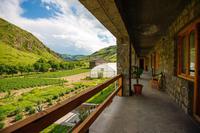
(192, 54)
(184, 56)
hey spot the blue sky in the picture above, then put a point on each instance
(65, 26)
(34, 9)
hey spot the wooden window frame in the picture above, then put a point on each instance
(186, 32)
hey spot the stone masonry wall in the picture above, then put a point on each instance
(179, 89)
(123, 62)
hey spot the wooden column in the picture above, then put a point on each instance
(120, 84)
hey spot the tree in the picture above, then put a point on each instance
(37, 66)
(29, 68)
(21, 69)
(12, 70)
(54, 65)
(44, 67)
(2, 69)
(41, 60)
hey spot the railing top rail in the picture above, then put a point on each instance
(41, 120)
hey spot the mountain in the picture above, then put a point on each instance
(18, 46)
(69, 57)
(108, 54)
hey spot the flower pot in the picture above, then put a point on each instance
(138, 89)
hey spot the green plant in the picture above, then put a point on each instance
(39, 106)
(15, 112)
(137, 72)
(31, 111)
(18, 117)
(27, 108)
(1, 125)
(83, 113)
(55, 97)
(2, 117)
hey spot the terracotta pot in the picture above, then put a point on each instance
(138, 89)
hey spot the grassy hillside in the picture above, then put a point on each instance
(18, 46)
(108, 54)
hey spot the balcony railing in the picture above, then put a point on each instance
(41, 120)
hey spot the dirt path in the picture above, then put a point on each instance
(75, 78)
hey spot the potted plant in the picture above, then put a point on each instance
(137, 72)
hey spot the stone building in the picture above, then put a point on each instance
(159, 36)
(164, 36)
(96, 62)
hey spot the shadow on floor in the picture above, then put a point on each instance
(153, 112)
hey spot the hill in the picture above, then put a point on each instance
(18, 46)
(108, 54)
(68, 57)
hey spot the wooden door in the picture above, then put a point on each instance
(141, 63)
(197, 76)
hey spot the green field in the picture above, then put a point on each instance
(101, 96)
(56, 128)
(8, 84)
(35, 100)
(34, 80)
(59, 73)
(16, 104)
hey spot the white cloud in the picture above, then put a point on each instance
(74, 33)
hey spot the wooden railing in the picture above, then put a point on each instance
(41, 120)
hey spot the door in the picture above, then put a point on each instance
(141, 64)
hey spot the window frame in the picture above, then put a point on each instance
(186, 32)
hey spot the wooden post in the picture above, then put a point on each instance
(120, 84)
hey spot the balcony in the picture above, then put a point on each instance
(148, 35)
(153, 112)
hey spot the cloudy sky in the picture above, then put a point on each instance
(63, 25)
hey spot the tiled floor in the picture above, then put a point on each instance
(153, 112)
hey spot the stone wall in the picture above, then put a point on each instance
(123, 62)
(179, 89)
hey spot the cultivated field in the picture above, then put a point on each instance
(22, 96)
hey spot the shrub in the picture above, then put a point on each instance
(55, 97)
(50, 103)
(2, 117)
(48, 100)
(72, 90)
(18, 117)
(67, 92)
(1, 125)
(31, 111)
(27, 108)
(62, 94)
(15, 112)
(20, 99)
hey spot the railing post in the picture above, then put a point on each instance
(120, 84)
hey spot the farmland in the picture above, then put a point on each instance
(47, 89)
(35, 80)
(59, 73)
(8, 84)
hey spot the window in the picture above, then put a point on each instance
(184, 56)
(187, 51)
(192, 53)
